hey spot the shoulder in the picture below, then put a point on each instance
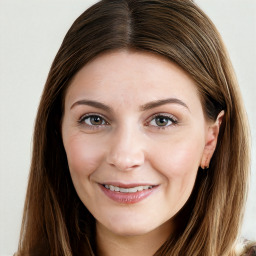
(246, 248)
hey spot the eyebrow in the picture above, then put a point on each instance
(144, 107)
(93, 103)
(158, 103)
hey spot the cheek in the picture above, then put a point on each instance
(179, 157)
(83, 156)
(178, 160)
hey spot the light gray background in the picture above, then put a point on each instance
(31, 32)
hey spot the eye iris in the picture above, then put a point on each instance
(162, 121)
(96, 120)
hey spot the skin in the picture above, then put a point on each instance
(128, 145)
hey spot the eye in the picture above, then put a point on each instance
(93, 120)
(162, 121)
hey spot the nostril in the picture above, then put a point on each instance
(126, 162)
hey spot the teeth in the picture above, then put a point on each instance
(127, 190)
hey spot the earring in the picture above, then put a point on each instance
(205, 164)
(204, 167)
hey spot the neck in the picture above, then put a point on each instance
(111, 244)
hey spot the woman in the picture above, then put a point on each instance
(141, 138)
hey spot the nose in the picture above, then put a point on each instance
(126, 150)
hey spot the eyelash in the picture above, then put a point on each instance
(81, 121)
(169, 117)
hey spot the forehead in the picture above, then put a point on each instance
(131, 77)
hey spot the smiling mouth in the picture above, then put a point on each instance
(128, 194)
(127, 190)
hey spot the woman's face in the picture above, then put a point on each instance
(134, 134)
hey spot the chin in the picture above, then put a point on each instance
(128, 230)
(129, 226)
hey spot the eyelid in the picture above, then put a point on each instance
(170, 116)
(173, 119)
(83, 117)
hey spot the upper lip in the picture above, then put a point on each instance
(127, 185)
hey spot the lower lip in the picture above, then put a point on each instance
(128, 198)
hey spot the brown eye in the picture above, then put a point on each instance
(94, 120)
(162, 121)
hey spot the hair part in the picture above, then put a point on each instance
(55, 221)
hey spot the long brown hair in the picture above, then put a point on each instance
(55, 221)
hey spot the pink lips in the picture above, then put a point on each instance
(128, 198)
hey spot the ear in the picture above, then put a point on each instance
(211, 140)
